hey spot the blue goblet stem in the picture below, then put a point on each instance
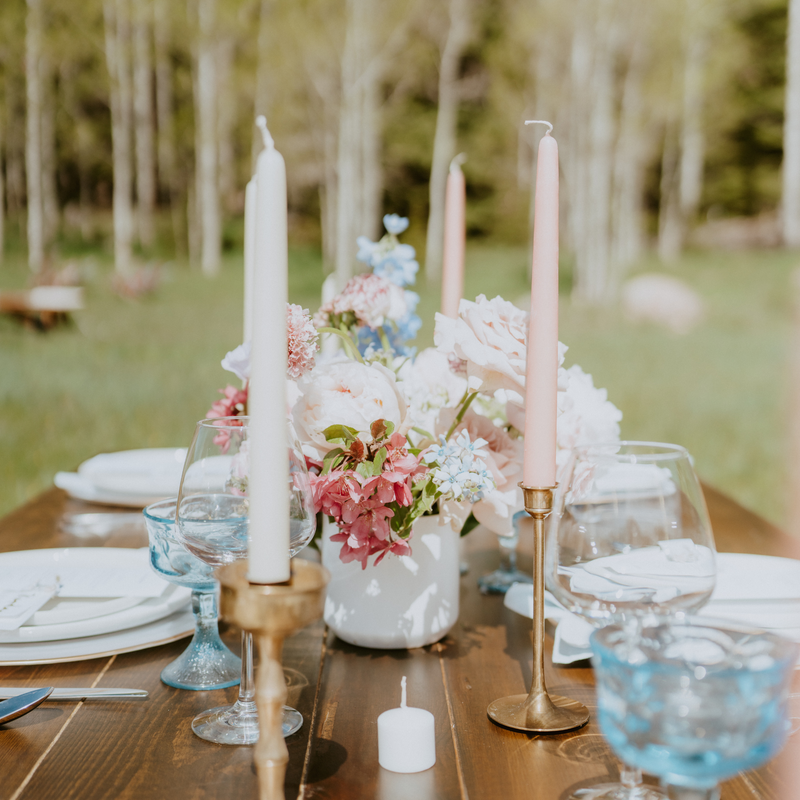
(686, 793)
(206, 663)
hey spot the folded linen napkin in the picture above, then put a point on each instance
(763, 591)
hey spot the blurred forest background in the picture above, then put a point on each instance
(127, 138)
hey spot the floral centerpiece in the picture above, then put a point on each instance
(391, 435)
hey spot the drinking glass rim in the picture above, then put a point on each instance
(239, 421)
(149, 510)
(788, 650)
(670, 452)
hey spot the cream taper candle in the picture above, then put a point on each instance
(269, 463)
(541, 382)
(250, 196)
(455, 200)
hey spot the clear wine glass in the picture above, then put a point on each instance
(692, 701)
(629, 538)
(206, 663)
(507, 574)
(212, 517)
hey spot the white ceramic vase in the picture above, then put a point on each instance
(406, 601)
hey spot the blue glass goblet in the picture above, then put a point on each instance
(206, 663)
(693, 702)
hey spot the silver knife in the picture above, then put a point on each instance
(74, 694)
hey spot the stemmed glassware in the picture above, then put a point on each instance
(693, 701)
(629, 539)
(212, 517)
(507, 574)
(206, 663)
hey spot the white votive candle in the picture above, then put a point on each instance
(406, 738)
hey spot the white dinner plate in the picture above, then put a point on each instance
(743, 577)
(162, 631)
(74, 617)
(150, 472)
(81, 488)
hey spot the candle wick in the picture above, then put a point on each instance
(457, 161)
(261, 124)
(403, 699)
(540, 122)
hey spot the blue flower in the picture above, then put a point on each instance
(395, 224)
(367, 250)
(394, 267)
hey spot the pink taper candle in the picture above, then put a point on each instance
(541, 383)
(454, 236)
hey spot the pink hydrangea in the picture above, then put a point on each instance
(302, 336)
(367, 299)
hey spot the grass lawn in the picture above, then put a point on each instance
(139, 373)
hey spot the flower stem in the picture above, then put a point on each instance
(347, 340)
(465, 404)
(384, 340)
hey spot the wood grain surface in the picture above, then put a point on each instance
(146, 749)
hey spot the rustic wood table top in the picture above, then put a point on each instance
(146, 749)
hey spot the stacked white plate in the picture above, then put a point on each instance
(132, 478)
(73, 627)
(763, 591)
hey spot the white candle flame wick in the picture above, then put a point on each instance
(540, 122)
(403, 700)
(261, 124)
(457, 161)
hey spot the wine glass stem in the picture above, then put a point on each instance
(508, 553)
(686, 793)
(630, 777)
(247, 688)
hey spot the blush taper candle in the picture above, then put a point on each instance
(455, 199)
(541, 382)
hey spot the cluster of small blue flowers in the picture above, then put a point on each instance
(397, 263)
(458, 470)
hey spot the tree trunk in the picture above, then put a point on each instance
(117, 34)
(167, 164)
(261, 99)
(33, 144)
(791, 132)
(594, 56)
(348, 194)
(371, 171)
(690, 186)
(15, 151)
(50, 206)
(627, 233)
(2, 193)
(226, 120)
(669, 209)
(206, 184)
(143, 121)
(445, 135)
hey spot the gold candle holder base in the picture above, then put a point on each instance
(271, 612)
(538, 711)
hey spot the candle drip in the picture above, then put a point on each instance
(540, 122)
(403, 699)
(261, 124)
(457, 161)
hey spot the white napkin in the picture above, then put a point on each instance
(763, 591)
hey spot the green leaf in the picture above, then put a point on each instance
(364, 469)
(389, 428)
(331, 460)
(340, 433)
(380, 457)
(470, 524)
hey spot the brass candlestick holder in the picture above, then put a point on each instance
(271, 612)
(538, 711)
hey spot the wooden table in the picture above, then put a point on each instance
(145, 749)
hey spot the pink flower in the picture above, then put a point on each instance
(303, 340)
(368, 299)
(346, 393)
(233, 403)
